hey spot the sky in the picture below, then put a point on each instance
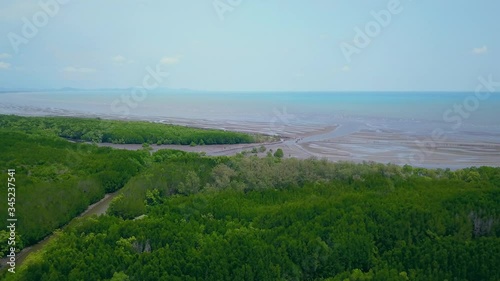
(257, 45)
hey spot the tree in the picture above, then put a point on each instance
(279, 153)
(153, 197)
(5, 246)
(221, 175)
(120, 276)
(191, 184)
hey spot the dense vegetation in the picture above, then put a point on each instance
(249, 218)
(185, 216)
(98, 130)
(56, 180)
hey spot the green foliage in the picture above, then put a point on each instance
(57, 180)
(7, 243)
(110, 131)
(120, 276)
(239, 218)
(261, 219)
(153, 197)
(222, 175)
(173, 172)
(279, 153)
(190, 185)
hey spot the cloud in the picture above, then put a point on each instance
(82, 70)
(169, 60)
(5, 56)
(4, 65)
(119, 59)
(480, 50)
(346, 68)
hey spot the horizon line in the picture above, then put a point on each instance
(72, 89)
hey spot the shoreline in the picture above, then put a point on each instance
(349, 141)
(303, 142)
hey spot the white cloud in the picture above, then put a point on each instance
(83, 70)
(169, 60)
(480, 50)
(346, 68)
(5, 56)
(4, 65)
(119, 59)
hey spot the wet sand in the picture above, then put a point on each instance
(364, 145)
(347, 139)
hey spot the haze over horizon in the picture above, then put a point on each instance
(250, 45)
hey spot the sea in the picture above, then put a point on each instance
(459, 114)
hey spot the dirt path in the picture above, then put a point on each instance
(97, 208)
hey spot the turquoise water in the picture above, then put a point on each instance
(410, 111)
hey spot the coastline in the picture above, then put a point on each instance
(361, 146)
(346, 140)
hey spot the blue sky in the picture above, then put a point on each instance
(250, 45)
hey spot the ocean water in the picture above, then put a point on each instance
(457, 113)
